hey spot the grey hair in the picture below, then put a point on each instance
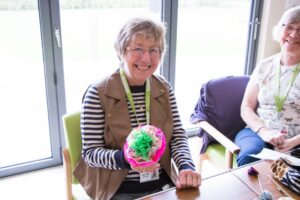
(149, 28)
(292, 15)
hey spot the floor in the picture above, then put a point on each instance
(49, 184)
(44, 184)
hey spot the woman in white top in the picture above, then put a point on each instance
(271, 103)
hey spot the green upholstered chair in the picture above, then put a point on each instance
(222, 154)
(216, 154)
(71, 154)
(217, 113)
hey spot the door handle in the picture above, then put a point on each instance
(58, 37)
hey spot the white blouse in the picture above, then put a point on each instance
(265, 76)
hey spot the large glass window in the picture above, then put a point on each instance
(25, 135)
(88, 33)
(211, 42)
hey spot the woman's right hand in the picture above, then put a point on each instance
(188, 179)
(272, 136)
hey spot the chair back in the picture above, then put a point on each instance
(71, 124)
(219, 104)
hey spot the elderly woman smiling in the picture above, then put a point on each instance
(132, 97)
(271, 104)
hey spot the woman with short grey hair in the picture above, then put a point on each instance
(132, 97)
(271, 103)
(290, 16)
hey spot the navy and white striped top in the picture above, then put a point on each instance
(92, 128)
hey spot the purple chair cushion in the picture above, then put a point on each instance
(219, 104)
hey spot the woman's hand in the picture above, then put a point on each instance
(287, 145)
(274, 137)
(187, 179)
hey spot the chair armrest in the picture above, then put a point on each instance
(217, 135)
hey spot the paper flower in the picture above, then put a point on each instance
(252, 171)
(144, 146)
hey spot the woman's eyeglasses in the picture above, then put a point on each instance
(139, 52)
(290, 28)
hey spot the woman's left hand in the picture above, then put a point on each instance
(187, 179)
(287, 145)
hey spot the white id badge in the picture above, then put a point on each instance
(283, 128)
(149, 176)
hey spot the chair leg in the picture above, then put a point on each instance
(195, 144)
(228, 159)
(201, 159)
(68, 172)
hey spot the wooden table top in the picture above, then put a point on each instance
(265, 176)
(233, 184)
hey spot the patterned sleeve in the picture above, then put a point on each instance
(92, 129)
(179, 144)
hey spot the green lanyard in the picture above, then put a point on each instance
(130, 98)
(279, 100)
